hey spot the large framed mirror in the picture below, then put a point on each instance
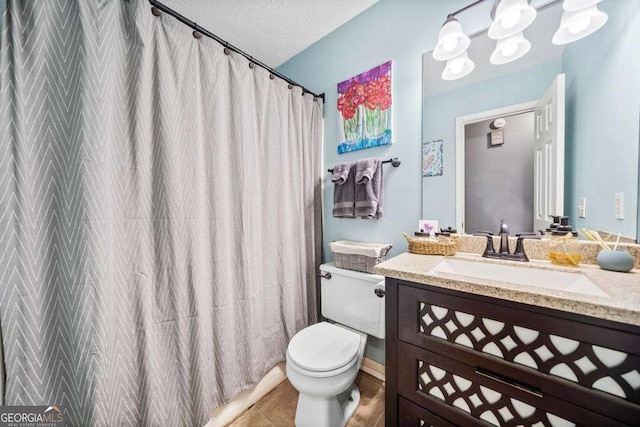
(597, 180)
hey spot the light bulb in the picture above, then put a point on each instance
(579, 25)
(509, 47)
(449, 43)
(457, 66)
(510, 18)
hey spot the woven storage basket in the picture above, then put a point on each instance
(443, 246)
(358, 262)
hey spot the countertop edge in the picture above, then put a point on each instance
(408, 267)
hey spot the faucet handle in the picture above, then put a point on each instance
(529, 235)
(489, 248)
(520, 246)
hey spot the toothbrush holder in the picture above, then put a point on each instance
(615, 260)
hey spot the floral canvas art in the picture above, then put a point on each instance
(364, 107)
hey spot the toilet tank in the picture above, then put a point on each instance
(349, 298)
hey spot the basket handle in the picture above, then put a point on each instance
(384, 252)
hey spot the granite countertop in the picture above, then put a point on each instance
(623, 289)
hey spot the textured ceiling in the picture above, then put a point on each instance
(271, 31)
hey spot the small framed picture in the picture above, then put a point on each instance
(432, 158)
(428, 226)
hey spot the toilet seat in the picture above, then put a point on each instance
(323, 348)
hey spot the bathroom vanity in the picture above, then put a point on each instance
(464, 348)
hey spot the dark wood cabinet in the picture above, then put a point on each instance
(455, 358)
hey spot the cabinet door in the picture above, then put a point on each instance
(411, 415)
(467, 395)
(594, 357)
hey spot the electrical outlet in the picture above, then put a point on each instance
(582, 207)
(619, 205)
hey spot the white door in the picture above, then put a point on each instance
(548, 157)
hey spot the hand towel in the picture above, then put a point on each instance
(343, 190)
(378, 189)
(368, 188)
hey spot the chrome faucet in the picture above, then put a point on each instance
(503, 253)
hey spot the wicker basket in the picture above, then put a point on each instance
(358, 262)
(443, 246)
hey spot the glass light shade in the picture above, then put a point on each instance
(458, 67)
(452, 41)
(580, 24)
(510, 18)
(510, 49)
(576, 5)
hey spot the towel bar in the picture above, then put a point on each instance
(395, 162)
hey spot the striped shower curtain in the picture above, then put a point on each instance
(159, 215)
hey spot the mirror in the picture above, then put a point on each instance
(602, 117)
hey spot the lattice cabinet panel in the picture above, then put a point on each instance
(482, 402)
(451, 389)
(592, 366)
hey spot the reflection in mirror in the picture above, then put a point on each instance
(602, 107)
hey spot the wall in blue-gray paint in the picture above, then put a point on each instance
(439, 116)
(602, 78)
(401, 31)
(397, 30)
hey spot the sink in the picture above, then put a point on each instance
(548, 279)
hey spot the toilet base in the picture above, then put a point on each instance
(313, 411)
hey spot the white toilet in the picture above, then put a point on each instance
(323, 359)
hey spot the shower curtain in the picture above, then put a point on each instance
(159, 214)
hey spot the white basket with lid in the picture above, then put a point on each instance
(358, 256)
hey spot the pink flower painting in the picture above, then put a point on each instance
(364, 107)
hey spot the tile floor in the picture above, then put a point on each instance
(278, 408)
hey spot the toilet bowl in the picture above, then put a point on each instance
(322, 363)
(323, 359)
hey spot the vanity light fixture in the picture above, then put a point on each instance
(452, 41)
(579, 19)
(510, 49)
(458, 67)
(510, 17)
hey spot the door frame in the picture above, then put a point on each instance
(461, 122)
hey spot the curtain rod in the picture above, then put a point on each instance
(226, 44)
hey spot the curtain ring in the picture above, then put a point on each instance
(315, 98)
(226, 51)
(290, 86)
(197, 34)
(271, 76)
(303, 93)
(155, 11)
(251, 65)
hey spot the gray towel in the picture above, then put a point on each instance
(343, 190)
(369, 186)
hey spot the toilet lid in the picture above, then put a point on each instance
(323, 347)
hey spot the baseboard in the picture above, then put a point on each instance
(372, 368)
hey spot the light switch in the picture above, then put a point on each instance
(619, 205)
(582, 207)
